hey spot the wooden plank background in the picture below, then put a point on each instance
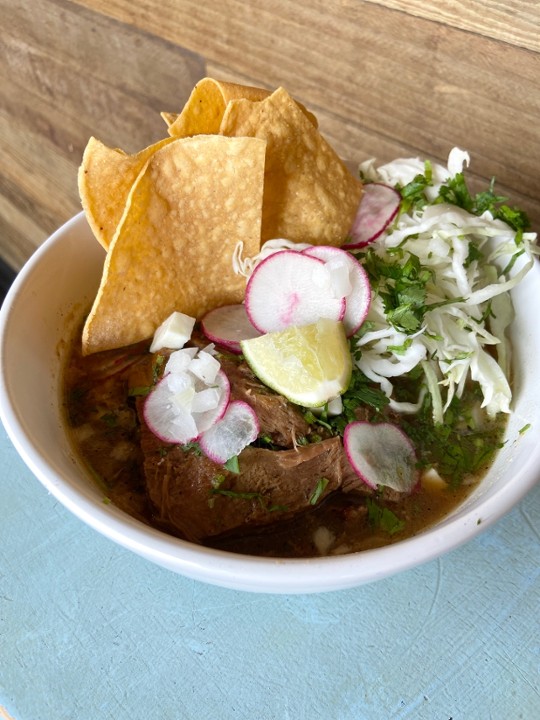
(385, 78)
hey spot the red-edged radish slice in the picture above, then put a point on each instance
(358, 297)
(227, 326)
(166, 415)
(285, 289)
(168, 409)
(378, 207)
(381, 455)
(236, 430)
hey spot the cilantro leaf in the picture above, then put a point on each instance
(413, 195)
(456, 192)
(383, 518)
(320, 487)
(232, 465)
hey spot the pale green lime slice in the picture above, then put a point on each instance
(308, 365)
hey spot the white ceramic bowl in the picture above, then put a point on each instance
(45, 301)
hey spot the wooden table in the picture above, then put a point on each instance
(386, 78)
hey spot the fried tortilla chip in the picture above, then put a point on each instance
(203, 112)
(192, 202)
(309, 194)
(205, 106)
(105, 178)
(169, 117)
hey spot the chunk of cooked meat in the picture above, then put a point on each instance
(201, 499)
(278, 418)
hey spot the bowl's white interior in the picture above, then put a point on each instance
(38, 315)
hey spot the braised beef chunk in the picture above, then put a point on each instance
(281, 421)
(201, 499)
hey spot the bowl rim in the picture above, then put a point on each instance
(237, 571)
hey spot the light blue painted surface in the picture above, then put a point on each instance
(89, 631)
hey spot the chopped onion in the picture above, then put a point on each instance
(173, 333)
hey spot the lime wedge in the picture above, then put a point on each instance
(309, 365)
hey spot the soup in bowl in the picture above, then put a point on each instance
(39, 319)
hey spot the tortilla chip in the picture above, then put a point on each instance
(105, 178)
(309, 194)
(169, 117)
(192, 202)
(203, 112)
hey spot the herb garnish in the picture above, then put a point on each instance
(193, 447)
(236, 495)
(455, 191)
(157, 367)
(457, 448)
(413, 194)
(232, 465)
(320, 487)
(110, 419)
(383, 518)
(361, 392)
(139, 391)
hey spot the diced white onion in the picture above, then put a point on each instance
(173, 333)
(205, 367)
(205, 400)
(180, 360)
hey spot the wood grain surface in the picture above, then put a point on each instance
(68, 73)
(385, 78)
(512, 21)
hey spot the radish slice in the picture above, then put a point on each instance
(236, 430)
(358, 297)
(227, 326)
(378, 207)
(166, 416)
(381, 455)
(287, 289)
(170, 410)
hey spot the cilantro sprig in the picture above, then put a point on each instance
(402, 286)
(383, 518)
(360, 393)
(458, 448)
(413, 194)
(455, 191)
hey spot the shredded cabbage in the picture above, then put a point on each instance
(245, 266)
(469, 293)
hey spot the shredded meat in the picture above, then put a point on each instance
(201, 499)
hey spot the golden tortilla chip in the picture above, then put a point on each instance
(105, 178)
(203, 112)
(169, 117)
(192, 203)
(205, 106)
(309, 194)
